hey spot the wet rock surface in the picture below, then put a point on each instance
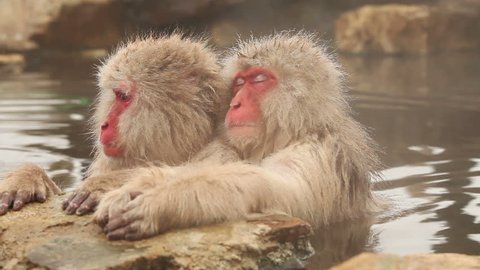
(397, 28)
(11, 63)
(42, 237)
(87, 24)
(369, 261)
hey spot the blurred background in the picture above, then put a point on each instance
(414, 74)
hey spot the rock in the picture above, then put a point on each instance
(67, 24)
(420, 77)
(224, 33)
(447, 261)
(397, 28)
(42, 236)
(11, 63)
(90, 24)
(157, 13)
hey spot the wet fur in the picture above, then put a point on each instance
(180, 99)
(311, 159)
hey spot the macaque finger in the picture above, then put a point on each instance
(76, 202)
(21, 198)
(116, 223)
(101, 221)
(87, 206)
(66, 202)
(118, 234)
(6, 199)
(133, 233)
(132, 236)
(40, 197)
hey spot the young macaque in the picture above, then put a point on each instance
(301, 151)
(159, 102)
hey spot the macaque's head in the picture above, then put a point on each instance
(284, 87)
(159, 99)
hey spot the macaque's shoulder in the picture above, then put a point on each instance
(217, 152)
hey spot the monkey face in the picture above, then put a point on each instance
(124, 95)
(156, 95)
(244, 118)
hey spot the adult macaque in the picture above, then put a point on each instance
(159, 101)
(301, 151)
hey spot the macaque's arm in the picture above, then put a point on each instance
(86, 197)
(199, 195)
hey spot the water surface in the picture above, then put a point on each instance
(423, 112)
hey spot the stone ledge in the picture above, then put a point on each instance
(396, 29)
(42, 237)
(11, 63)
(439, 261)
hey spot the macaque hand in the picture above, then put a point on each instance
(85, 198)
(139, 219)
(114, 202)
(28, 183)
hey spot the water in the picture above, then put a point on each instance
(423, 112)
(42, 118)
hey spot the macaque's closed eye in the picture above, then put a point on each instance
(239, 81)
(122, 96)
(261, 77)
(256, 78)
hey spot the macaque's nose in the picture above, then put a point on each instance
(235, 104)
(236, 101)
(104, 126)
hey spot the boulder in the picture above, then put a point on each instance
(41, 236)
(395, 28)
(90, 24)
(441, 261)
(70, 24)
(11, 63)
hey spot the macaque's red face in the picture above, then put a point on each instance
(124, 94)
(249, 88)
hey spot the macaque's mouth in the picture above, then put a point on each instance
(241, 125)
(112, 150)
(242, 129)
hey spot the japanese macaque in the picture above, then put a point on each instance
(301, 153)
(159, 102)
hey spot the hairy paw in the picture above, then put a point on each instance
(139, 219)
(28, 183)
(82, 201)
(112, 204)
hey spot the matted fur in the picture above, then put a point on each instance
(311, 159)
(179, 98)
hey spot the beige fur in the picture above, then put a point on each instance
(179, 100)
(310, 159)
(26, 183)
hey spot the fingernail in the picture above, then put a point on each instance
(17, 205)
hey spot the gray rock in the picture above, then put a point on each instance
(90, 24)
(444, 261)
(11, 63)
(42, 236)
(397, 28)
(25, 25)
